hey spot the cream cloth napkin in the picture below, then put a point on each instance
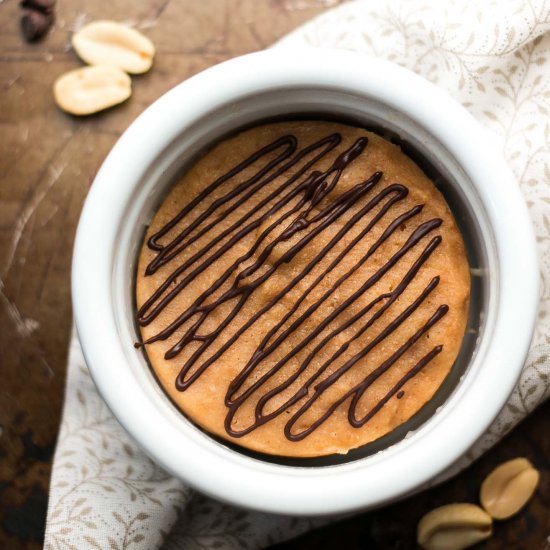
(493, 57)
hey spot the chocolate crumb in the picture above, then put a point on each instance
(37, 18)
(400, 394)
(44, 6)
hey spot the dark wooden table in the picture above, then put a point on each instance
(47, 162)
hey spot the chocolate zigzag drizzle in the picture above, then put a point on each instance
(302, 208)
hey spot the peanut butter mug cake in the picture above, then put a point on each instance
(303, 290)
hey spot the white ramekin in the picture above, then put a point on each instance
(132, 182)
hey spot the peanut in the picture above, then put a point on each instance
(507, 489)
(110, 43)
(90, 89)
(453, 527)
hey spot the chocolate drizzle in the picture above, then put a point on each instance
(298, 209)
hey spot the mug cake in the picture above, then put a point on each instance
(450, 146)
(303, 289)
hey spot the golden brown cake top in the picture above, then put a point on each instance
(303, 289)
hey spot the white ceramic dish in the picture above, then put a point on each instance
(132, 182)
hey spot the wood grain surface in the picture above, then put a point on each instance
(47, 162)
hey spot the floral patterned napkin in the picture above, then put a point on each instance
(493, 57)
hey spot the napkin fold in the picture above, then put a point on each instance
(494, 58)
